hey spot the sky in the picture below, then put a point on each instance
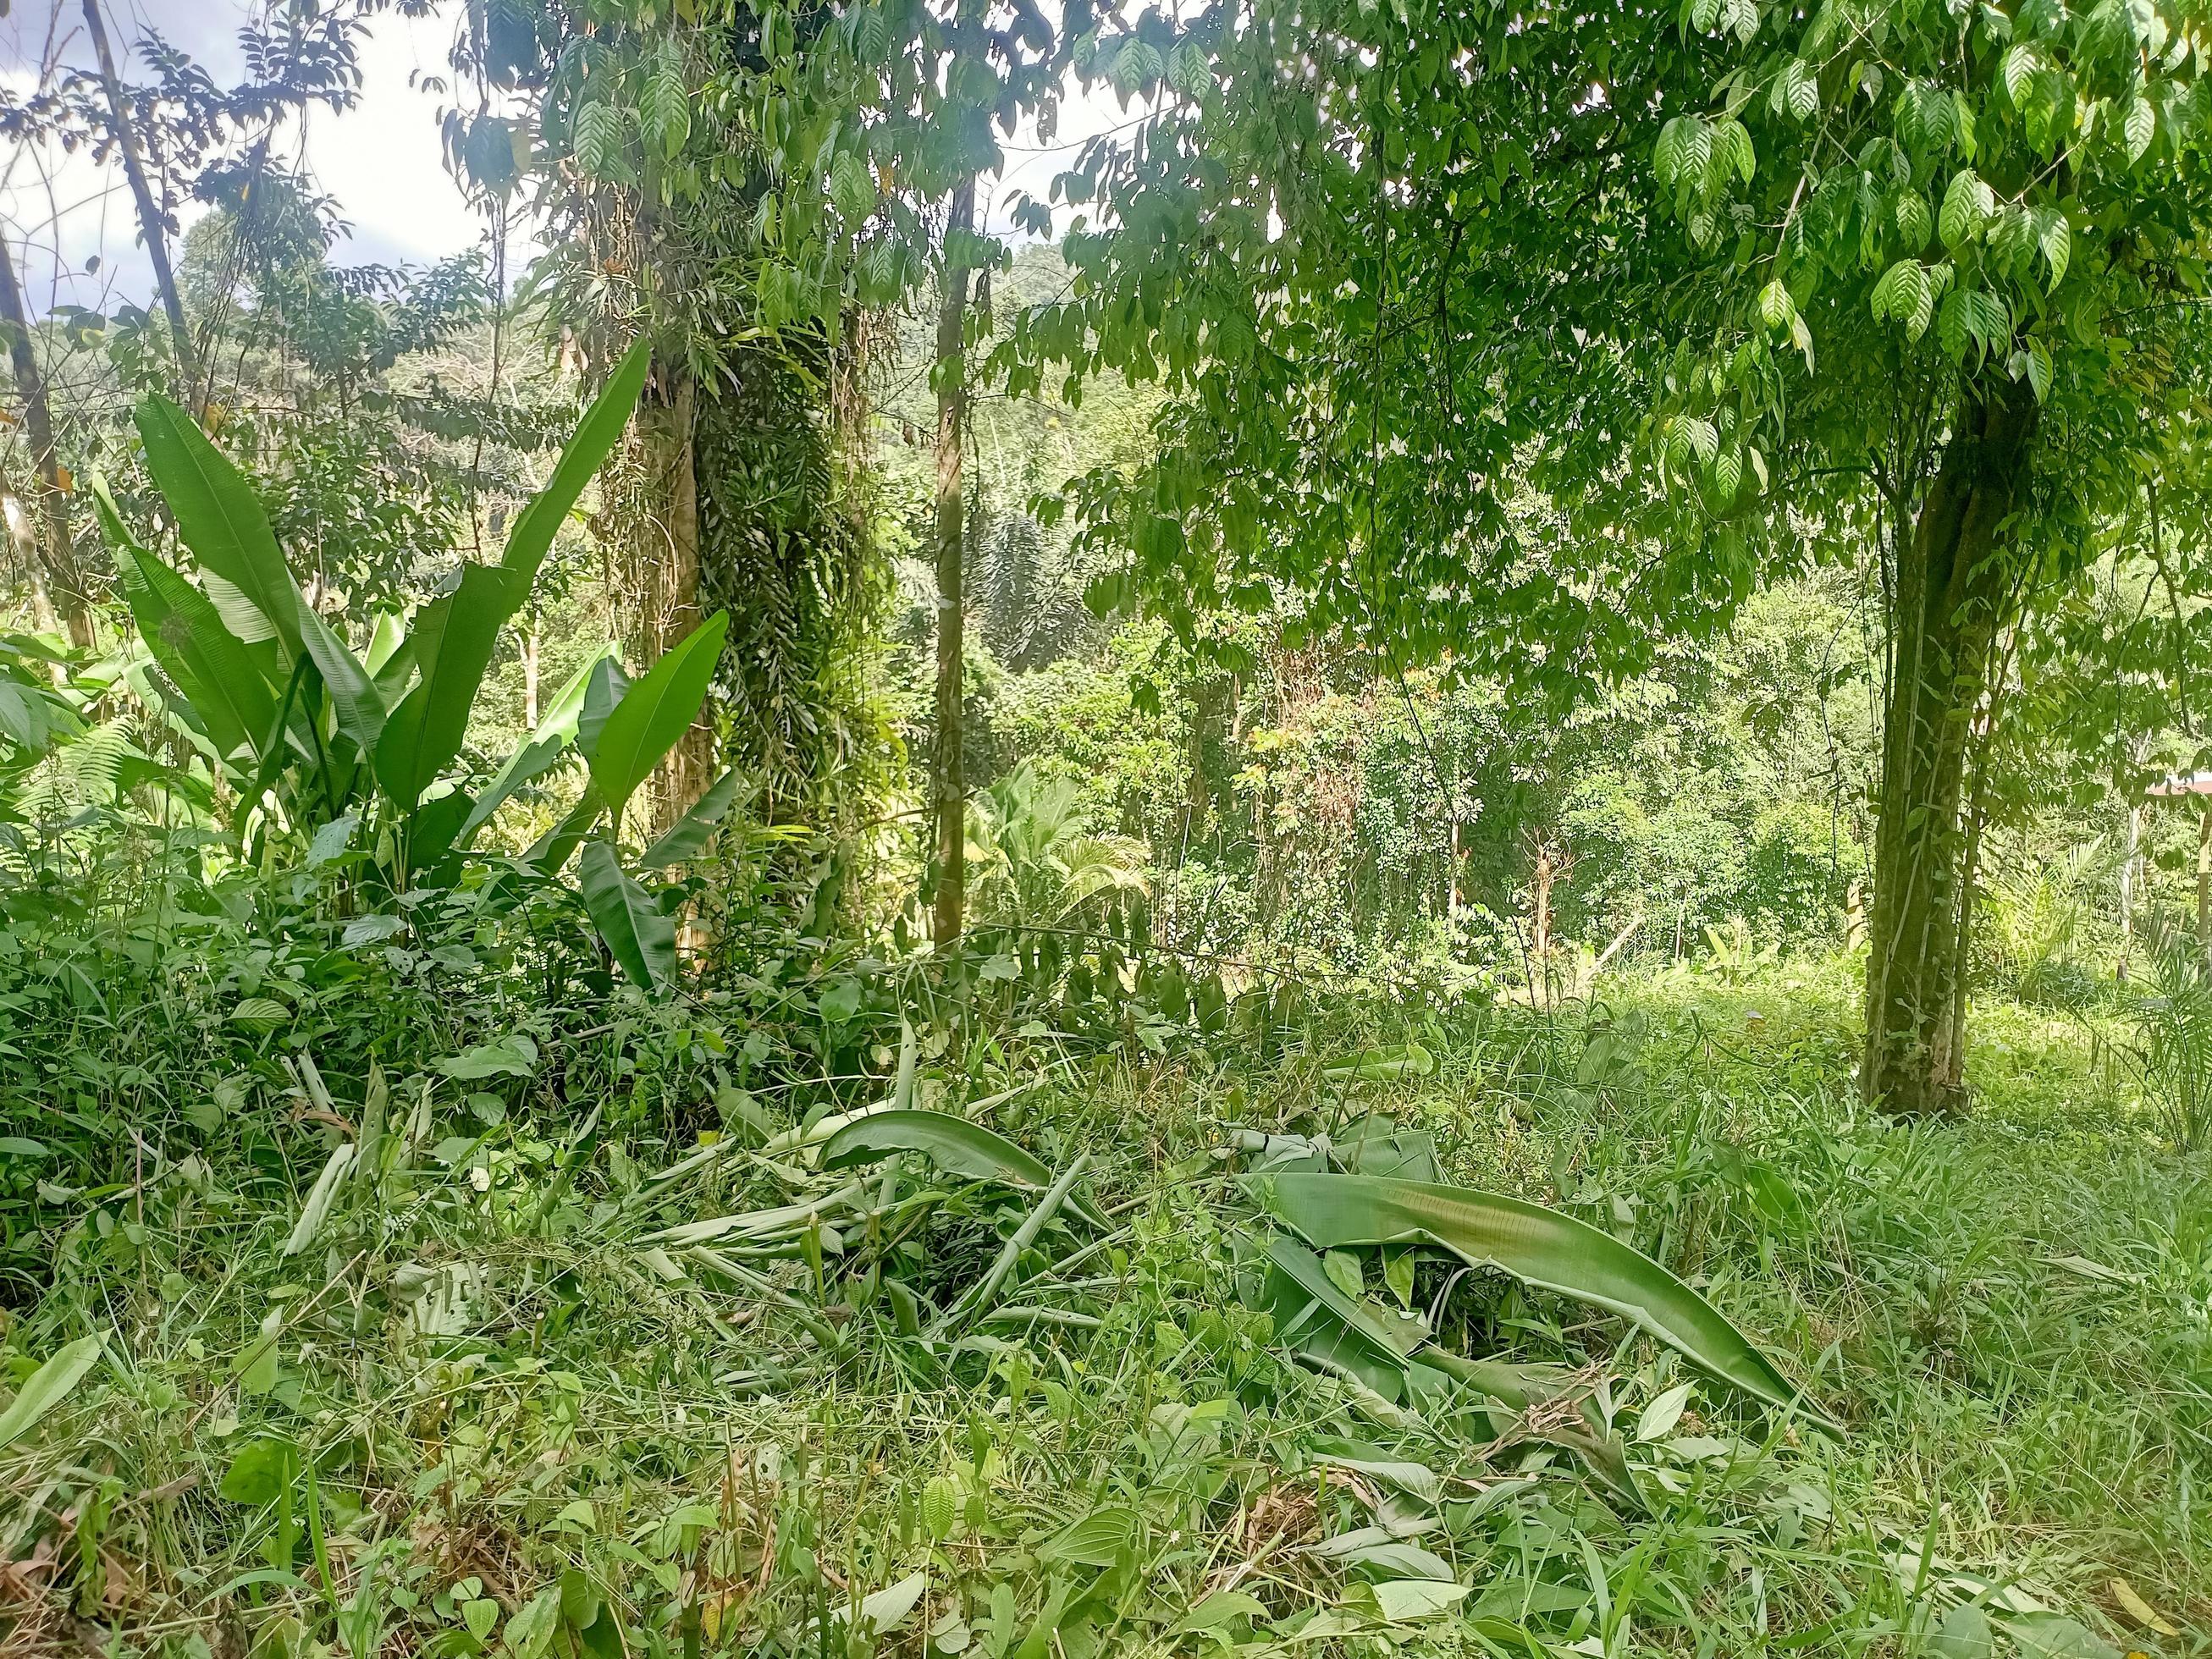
(381, 160)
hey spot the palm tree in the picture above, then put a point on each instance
(1034, 855)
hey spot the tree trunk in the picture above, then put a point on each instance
(2130, 851)
(2204, 887)
(657, 510)
(64, 578)
(1952, 584)
(947, 785)
(530, 643)
(151, 224)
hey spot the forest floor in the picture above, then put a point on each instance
(487, 1399)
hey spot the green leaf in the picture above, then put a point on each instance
(605, 682)
(1540, 1247)
(46, 1388)
(1796, 91)
(354, 700)
(641, 936)
(1658, 1419)
(683, 839)
(851, 187)
(1401, 1601)
(262, 1472)
(2054, 238)
(209, 663)
(1967, 202)
(596, 436)
(218, 516)
(664, 102)
(655, 713)
(2138, 126)
(952, 1144)
(454, 637)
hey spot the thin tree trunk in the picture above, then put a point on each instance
(64, 578)
(151, 225)
(665, 577)
(530, 643)
(1952, 587)
(948, 785)
(2204, 887)
(2130, 850)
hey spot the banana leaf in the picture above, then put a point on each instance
(655, 713)
(1540, 1247)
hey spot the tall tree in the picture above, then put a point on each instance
(1521, 338)
(947, 785)
(64, 576)
(153, 219)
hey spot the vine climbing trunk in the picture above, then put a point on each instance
(657, 512)
(947, 784)
(152, 223)
(64, 577)
(1953, 586)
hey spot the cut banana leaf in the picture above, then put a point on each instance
(952, 1144)
(1540, 1247)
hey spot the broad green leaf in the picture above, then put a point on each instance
(605, 682)
(953, 1143)
(453, 639)
(46, 1388)
(1658, 1419)
(683, 839)
(261, 1472)
(639, 934)
(560, 717)
(1967, 202)
(210, 665)
(655, 713)
(1540, 1247)
(1402, 1600)
(596, 436)
(354, 699)
(552, 850)
(219, 516)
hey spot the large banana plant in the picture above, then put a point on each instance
(343, 749)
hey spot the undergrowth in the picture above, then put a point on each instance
(467, 1396)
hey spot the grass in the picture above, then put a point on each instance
(478, 1413)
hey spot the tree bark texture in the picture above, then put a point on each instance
(948, 789)
(63, 582)
(1954, 584)
(654, 500)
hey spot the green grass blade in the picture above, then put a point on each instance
(1540, 1247)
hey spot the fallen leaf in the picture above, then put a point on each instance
(2140, 1610)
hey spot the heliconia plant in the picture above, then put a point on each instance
(329, 745)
